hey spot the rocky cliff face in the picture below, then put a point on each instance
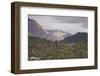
(35, 29)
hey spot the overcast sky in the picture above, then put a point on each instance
(70, 24)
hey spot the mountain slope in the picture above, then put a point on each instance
(35, 29)
(78, 37)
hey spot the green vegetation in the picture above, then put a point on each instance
(45, 49)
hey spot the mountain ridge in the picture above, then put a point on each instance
(36, 30)
(78, 37)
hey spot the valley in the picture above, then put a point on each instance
(44, 44)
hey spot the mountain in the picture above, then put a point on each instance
(78, 37)
(36, 30)
(60, 35)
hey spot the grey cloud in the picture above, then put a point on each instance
(69, 24)
(70, 19)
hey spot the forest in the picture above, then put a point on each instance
(43, 49)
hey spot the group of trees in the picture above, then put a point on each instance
(45, 49)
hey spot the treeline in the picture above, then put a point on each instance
(45, 49)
